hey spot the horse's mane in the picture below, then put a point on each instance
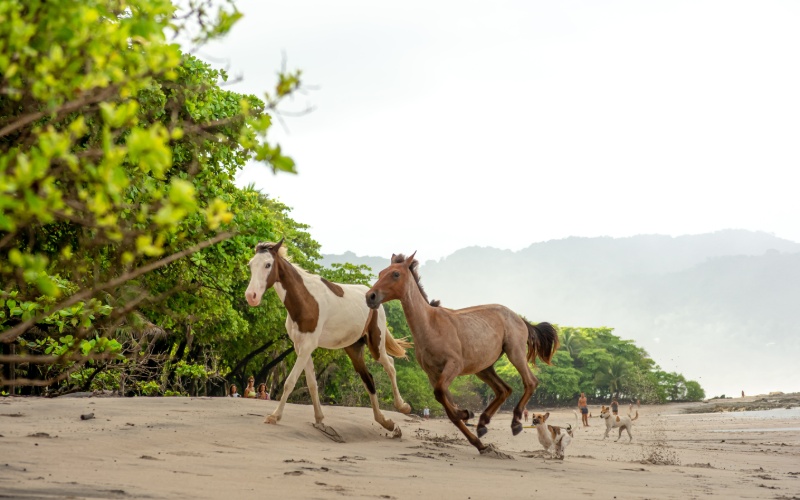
(414, 268)
(266, 246)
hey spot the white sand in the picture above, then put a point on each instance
(219, 448)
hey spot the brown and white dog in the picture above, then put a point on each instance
(553, 438)
(615, 421)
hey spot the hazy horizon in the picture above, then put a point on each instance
(712, 307)
(423, 259)
(502, 124)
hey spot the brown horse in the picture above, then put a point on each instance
(449, 343)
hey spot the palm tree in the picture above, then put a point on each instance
(572, 341)
(612, 376)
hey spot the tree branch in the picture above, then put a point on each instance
(13, 333)
(64, 108)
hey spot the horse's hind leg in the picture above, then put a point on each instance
(501, 392)
(387, 362)
(518, 358)
(356, 354)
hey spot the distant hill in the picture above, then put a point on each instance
(721, 308)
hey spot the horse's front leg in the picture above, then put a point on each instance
(303, 348)
(501, 392)
(441, 391)
(311, 381)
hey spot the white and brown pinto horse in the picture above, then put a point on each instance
(449, 343)
(327, 315)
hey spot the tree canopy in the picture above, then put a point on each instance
(119, 218)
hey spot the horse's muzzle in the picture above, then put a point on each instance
(374, 299)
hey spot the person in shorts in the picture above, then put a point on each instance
(582, 406)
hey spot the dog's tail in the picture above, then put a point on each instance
(570, 429)
(634, 418)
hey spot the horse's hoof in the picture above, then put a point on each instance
(482, 430)
(405, 409)
(492, 452)
(516, 428)
(397, 433)
(330, 432)
(271, 419)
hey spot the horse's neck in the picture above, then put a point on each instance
(292, 279)
(300, 303)
(416, 309)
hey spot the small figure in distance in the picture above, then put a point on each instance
(615, 406)
(250, 390)
(525, 415)
(232, 392)
(426, 413)
(584, 410)
(262, 392)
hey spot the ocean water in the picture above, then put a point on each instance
(756, 429)
(791, 415)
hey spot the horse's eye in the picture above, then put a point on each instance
(396, 275)
(269, 265)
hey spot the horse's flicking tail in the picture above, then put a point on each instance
(394, 347)
(542, 341)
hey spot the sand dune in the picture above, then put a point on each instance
(219, 448)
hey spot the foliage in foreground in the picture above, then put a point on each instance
(120, 226)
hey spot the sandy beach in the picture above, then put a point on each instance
(219, 448)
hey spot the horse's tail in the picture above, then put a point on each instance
(542, 341)
(634, 418)
(396, 347)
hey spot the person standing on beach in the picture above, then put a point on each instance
(250, 390)
(426, 413)
(262, 392)
(525, 415)
(615, 406)
(584, 410)
(232, 392)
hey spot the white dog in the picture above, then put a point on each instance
(617, 422)
(553, 438)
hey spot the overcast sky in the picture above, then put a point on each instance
(445, 124)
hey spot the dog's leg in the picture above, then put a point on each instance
(620, 432)
(630, 436)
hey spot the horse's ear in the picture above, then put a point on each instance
(277, 245)
(392, 259)
(410, 258)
